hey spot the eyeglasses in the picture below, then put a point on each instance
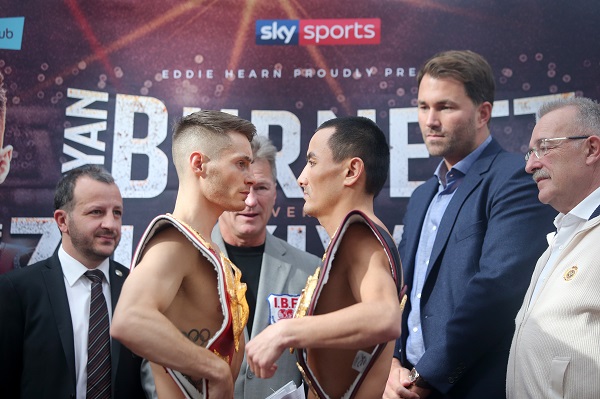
(544, 145)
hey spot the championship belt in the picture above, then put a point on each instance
(314, 286)
(232, 298)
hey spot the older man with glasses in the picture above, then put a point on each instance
(555, 351)
(544, 145)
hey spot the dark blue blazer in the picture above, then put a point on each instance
(36, 336)
(486, 248)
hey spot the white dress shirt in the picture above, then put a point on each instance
(79, 289)
(566, 227)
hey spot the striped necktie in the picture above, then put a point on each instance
(98, 364)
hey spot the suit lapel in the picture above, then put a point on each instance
(536, 275)
(471, 180)
(57, 294)
(116, 283)
(274, 273)
(422, 201)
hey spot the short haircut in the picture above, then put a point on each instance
(587, 120)
(63, 195)
(207, 131)
(465, 66)
(263, 148)
(356, 136)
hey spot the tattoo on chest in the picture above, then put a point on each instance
(199, 337)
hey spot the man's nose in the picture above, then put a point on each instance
(432, 119)
(111, 221)
(532, 164)
(251, 198)
(302, 179)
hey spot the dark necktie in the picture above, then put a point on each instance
(98, 364)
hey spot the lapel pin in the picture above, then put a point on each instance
(570, 273)
(119, 273)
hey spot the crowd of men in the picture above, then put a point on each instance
(489, 293)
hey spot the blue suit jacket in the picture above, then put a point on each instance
(487, 244)
(36, 336)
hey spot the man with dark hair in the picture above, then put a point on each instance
(183, 308)
(347, 318)
(54, 314)
(471, 235)
(555, 351)
(274, 271)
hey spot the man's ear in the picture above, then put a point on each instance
(60, 217)
(354, 170)
(484, 113)
(593, 150)
(198, 162)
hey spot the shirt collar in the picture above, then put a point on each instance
(583, 210)
(73, 269)
(464, 164)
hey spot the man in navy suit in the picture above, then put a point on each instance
(44, 308)
(472, 235)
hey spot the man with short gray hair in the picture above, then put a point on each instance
(274, 271)
(555, 352)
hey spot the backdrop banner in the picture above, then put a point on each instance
(102, 82)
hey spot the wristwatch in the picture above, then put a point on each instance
(417, 380)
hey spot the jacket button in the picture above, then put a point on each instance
(250, 374)
(451, 380)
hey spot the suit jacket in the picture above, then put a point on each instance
(284, 270)
(555, 351)
(481, 262)
(36, 337)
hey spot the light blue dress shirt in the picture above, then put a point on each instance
(449, 181)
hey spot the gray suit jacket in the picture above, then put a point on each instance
(284, 270)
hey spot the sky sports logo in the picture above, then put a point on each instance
(318, 32)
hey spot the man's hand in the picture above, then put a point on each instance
(422, 392)
(222, 386)
(398, 384)
(263, 350)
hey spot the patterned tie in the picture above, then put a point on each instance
(98, 364)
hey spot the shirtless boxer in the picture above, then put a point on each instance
(347, 320)
(183, 306)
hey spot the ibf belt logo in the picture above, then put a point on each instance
(281, 306)
(11, 33)
(318, 32)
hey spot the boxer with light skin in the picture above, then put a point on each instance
(183, 307)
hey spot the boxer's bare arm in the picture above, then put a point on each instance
(139, 322)
(374, 319)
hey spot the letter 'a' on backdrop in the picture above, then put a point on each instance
(103, 82)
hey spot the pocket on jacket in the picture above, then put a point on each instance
(473, 229)
(557, 377)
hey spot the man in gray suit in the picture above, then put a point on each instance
(274, 271)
